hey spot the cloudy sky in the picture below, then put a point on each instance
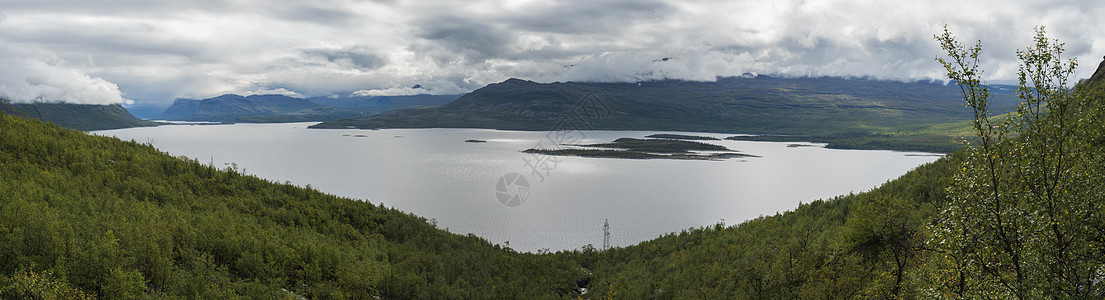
(143, 51)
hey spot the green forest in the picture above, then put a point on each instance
(1015, 214)
(76, 116)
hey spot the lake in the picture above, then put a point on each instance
(529, 201)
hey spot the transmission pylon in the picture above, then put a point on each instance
(606, 234)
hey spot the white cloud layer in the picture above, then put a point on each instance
(35, 75)
(159, 50)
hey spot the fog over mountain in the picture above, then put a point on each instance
(31, 74)
(155, 51)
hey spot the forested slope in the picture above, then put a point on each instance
(1017, 214)
(839, 248)
(99, 216)
(89, 215)
(85, 216)
(77, 116)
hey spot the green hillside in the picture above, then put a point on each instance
(842, 248)
(934, 138)
(254, 108)
(7, 109)
(99, 216)
(90, 215)
(280, 108)
(86, 215)
(78, 116)
(1016, 215)
(846, 113)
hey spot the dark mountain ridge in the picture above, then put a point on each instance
(181, 108)
(384, 101)
(9, 110)
(234, 108)
(84, 117)
(730, 105)
(280, 108)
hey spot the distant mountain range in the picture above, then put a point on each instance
(754, 104)
(280, 108)
(235, 108)
(846, 113)
(84, 117)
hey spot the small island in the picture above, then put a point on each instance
(633, 148)
(682, 137)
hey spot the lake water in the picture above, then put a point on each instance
(435, 174)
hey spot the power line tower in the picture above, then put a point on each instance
(606, 234)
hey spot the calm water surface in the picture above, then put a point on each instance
(435, 174)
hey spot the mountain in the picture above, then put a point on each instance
(815, 107)
(280, 108)
(85, 117)
(9, 110)
(235, 108)
(733, 105)
(896, 241)
(85, 216)
(1099, 74)
(392, 102)
(181, 109)
(1095, 85)
(147, 111)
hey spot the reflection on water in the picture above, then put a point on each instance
(434, 173)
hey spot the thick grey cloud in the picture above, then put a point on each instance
(359, 57)
(586, 17)
(476, 42)
(155, 51)
(36, 75)
(327, 16)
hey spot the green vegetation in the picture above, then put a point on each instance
(77, 116)
(938, 138)
(9, 110)
(682, 137)
(1024, 220)
(89, 215)
(846, 113)
(854, 246)
(1015, 215)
